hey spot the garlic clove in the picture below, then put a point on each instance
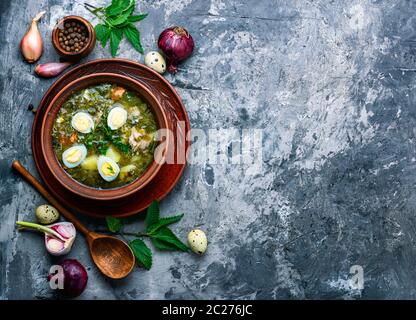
(54, 245)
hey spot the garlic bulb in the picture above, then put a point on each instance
(59, 247)
(59, 237)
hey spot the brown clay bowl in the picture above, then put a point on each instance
(86, 50)
(62, 176)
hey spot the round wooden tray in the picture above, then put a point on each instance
(168, 175)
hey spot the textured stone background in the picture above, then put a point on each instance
(331, 83)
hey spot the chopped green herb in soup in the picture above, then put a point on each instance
(104, 136)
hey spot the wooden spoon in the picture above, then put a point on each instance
(111, 255)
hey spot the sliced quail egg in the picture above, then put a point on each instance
(155, 61)
(74, 155)
(108, 168)
(82, 122)
(117, 117)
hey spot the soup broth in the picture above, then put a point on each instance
(104, 136)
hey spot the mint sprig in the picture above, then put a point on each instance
(116, 22)
(152, 214)
(142, 253)
(157, 231)
(153, 228)
(113, 224)
(166, 236)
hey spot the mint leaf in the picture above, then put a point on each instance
(164, 222)
(166, 235)
(152, 215)
(162, 245)
(113, 224)
(142, 253)
(121, 18)
(115, 38)
(137, 18)
(133, 35)
(118, 6)
(117, 21)
(103, 33)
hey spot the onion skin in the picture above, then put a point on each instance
(31, 44)
(51, 69)
(177, 44)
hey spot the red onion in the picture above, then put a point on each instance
(177, 45)
(51, 69)
(75, 277)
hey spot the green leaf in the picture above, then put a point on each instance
(142, 253)
(103, 33)
(162, 245)
(124, 148)
(118, 6)
(133, 35)
(166, 235)
(121, 18)
(137, 18)
(152, 215)
(113, 224)
(164, 222)
(115, 38)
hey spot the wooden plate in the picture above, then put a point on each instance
(167, 176)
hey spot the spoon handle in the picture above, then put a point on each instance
(39, 187)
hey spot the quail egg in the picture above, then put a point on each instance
(74, 155)
(46, 214)
(82, 122)
(197, 241)
(155, 61)
(108, 168)
(117, 117)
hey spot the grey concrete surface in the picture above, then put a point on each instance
(330, 83)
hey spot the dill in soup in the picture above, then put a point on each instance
(104, 136)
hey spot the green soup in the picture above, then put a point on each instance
(104, 136)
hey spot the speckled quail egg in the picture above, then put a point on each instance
(197, 241)
(108, 168)
(74, 156)
(155, 61)
(46, 214)
(117, 117)
(82, 122)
